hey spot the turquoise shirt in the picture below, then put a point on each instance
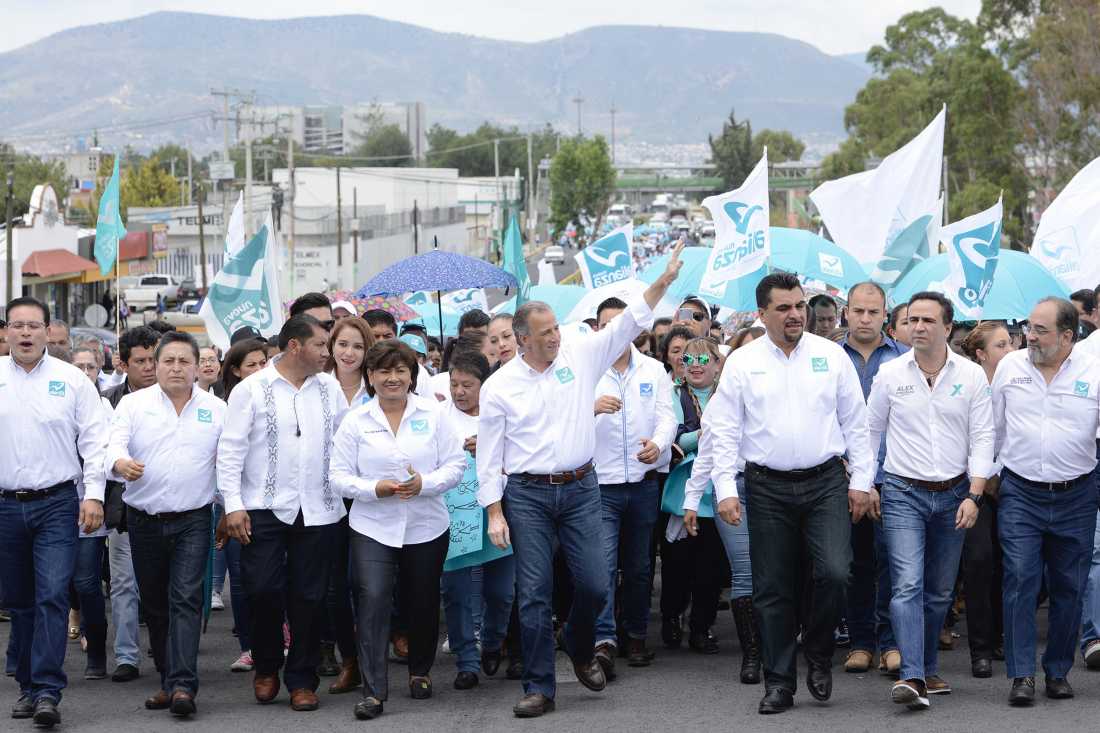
(689, 442)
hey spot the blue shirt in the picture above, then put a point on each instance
(886, 351)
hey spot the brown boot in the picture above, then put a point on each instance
(349, 679)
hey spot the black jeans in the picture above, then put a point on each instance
(982, 573)
(692, 569)
(416, 571)
(285, 569)
(788, 516)
(170, 557)
(339, 621)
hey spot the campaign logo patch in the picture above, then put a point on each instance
(206, 416)
(1081, 389)
(645, 389)
(956, 390)
(564, 375)
(57, 389)
(418, 426)
(819, 364)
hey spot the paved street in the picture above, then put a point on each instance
(680, 691)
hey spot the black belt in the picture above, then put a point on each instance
(167, 516)
(1046, 485)
(564, 477)
(933, 486)
(800, 474)
(36, 494)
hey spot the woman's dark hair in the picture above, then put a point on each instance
(390, 354)
(368, 341)
(236, 355)
(678, 332)
(738, 339)
(473, 363)
(469, 341)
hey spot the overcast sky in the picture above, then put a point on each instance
(836, 26)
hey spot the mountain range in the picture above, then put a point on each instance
(668, 85)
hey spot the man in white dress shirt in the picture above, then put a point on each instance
(934, 407)
(1045, 409)
(1090, 618)
(536, 439)
(52, 418)
(635, 425)
(163, 444)
(790, 405)
(273, 473)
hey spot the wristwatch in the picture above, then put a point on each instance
(977, 499)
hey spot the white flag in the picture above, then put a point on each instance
(546, 273)
(245, 292)
(877, 214)
(742, 235)
(234, 232)
(461, 301)
(973, 245)
(1067, 242)
(608, 259)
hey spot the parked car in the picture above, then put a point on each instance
(145, 294)
(554, 254)
(189, 290)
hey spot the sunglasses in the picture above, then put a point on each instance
(700, 359)
(685, 313)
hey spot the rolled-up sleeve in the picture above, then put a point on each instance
(491, 423)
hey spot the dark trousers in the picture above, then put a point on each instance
(415, 570)
(786, 517)
(37, 555)
(629, 512)
(285, 569)
(692, 571)
(339, 621)
(170, 557)
(242, 620)
(868, 609)
(982, 574)
(540, 516)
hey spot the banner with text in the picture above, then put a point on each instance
(608, 259)
(463, 301)
(742, 233)
(972, 246)
(1067, 241)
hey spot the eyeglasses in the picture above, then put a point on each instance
(26, 325)
(208, 360)
(700, 359)
(685, 313)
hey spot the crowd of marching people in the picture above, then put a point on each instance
(832, 476)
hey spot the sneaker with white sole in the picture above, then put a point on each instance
(446, 647)
(937, 685)
(911, 693)
(244, 663)
(216, 602)
(1092, 654)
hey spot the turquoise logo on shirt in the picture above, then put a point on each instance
(564, 375)
(1081, 389)
(418, 426)
(57, 389)
(206, 416)
(819, 364)
(645, 389)
(956, 390)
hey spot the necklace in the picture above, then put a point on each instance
(930, 377)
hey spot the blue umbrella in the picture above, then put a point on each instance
(1019, 282)
(740, 294)
(803, 252)
(560, 298)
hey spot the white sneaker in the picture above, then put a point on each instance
(1092, 654)
(216, 602)
(446, 648)
(244, 663)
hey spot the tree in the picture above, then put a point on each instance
(732, 151)
(144, 184)
(472, 153)
(582, 181)
(387, 146)
(29, 171)
(782, 146)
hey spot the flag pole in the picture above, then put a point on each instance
(118, 279)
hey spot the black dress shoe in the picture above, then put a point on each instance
(45, 713)
(490, 661)
(605, 655)
(125, 673)
(368, 708)
(1058, 688)
(514, 670)
(465, 681)
(533, 705)
(981, 668)
(819, 681)
(671, 632)
(703, 642)
(1022, 692)
(23, 708)
(776, 700)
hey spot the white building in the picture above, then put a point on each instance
(335, 129)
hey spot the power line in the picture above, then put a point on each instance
(351, 158)
(120, 127)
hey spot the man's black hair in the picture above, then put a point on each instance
(308, 302)
(611, 303)
(28, 300)
(774, 281)
(298, 328)
(476, 318)
(177, 337)
(946, 307)
(378, 317)
(142, 337)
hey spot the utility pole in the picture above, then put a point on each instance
(530, 192)
(202, 244)
(339, 224)
(290, 200)
(190, 195)
(613, 111)
(578, 100)
(355, 224)
(416, 229)
(247, 185)
(8, 234)
(498, 220)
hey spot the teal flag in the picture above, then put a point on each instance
(108, 226)
(514, 261)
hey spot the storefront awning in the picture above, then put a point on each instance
(50, 263)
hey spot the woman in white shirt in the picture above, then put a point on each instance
(395, 456)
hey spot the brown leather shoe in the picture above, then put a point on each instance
(158, 701)
(637, 655)
(890, 661)
(303, 699)
(266, 687)
(349, 679)
(858, 661)
(183, 704)
(533, 705)
(590, 674)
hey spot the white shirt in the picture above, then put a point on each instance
(361, 396)
(646, 394)
(788, 413)
(366, 451)
(263, 463)
(1090, 345)
(934, 433)
(107, 380)
(440, 384)
(108, 416)
(1047, 432)
(543, 422)
(50, 418)
(178, 451)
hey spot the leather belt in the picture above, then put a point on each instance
(167, 516)
(1046, 485)
(800, 474)
(934, 486)
(556, 479)
(36, 494)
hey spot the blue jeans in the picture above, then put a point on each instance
(238, 599)
(221, 562)
(924, 551)
(540, 517)
(124, 600)
(170, 557)
(460, 604)
(735, 538)
(88, 581)
(1051, 533)
(1090, 620)
(629, 512)
(37, 556)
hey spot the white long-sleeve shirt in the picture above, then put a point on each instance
(366, 451)
(1047, 432)
(178, 451)
(788, 413)
(50, 418)
(934, 433)
(645, 391)
(543, 422)
(276, 444)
